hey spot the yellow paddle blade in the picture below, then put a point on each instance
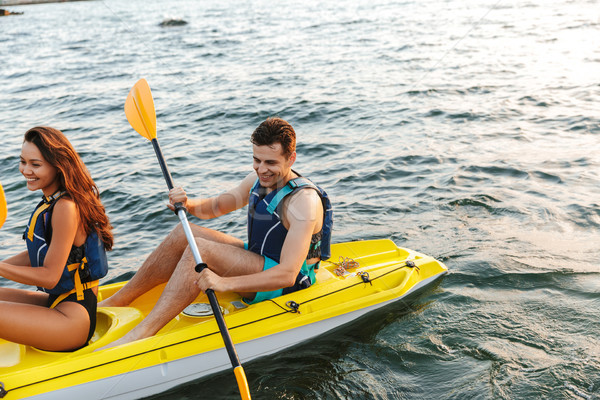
(3, 210)
(139, 110)
(240, 377)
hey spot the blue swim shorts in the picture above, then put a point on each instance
(307, 270)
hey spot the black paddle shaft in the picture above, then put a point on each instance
(163, 164)
(235, 362)
(212, 298)
(165, 172)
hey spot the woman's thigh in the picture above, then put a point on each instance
(62, 328)
(23, 296)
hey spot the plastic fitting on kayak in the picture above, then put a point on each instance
(411, 264)
(365, 277)
(294, 306)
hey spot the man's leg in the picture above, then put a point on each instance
(159, 266)
(181, 289)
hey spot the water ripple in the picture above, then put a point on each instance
(453, 128)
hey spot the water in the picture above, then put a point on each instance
(467, 130)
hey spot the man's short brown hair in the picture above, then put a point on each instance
(275, 130)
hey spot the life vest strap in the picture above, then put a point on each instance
(287, 189)
(277, 199)
(48, 201)
(79, 286)
(34, 218)
(85, 286)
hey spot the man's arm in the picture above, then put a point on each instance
(303, 218)
(213, 207)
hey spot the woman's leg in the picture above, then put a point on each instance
(27, 320)
(23, 296)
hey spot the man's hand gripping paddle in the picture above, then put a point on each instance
(140, 112)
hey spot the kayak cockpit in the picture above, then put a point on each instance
(111, 324)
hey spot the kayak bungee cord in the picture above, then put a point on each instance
(364, 280)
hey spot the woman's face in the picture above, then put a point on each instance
(38, 172)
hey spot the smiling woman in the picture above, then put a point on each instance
(38, 173)
(67, 236)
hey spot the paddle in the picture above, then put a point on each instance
(3, 210)
(140, 112)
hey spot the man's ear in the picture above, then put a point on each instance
(292, 158)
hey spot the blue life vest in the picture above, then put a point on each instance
(266, 232)
(86, 264)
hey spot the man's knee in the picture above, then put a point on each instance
(178, 230)
(206, 249)
(176, 238)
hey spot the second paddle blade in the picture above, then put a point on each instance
(3, 210)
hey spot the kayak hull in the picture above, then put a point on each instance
(190, 347)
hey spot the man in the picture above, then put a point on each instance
(285, 232)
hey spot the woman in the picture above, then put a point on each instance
(67, 236)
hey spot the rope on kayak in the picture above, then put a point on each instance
(294, 307)
(344, 265)
(407, 263)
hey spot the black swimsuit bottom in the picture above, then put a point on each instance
(89, 302)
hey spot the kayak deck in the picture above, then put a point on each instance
(381, 277)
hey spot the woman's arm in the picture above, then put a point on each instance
(65, 221)
(21, 259)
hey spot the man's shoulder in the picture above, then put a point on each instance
(302, 198)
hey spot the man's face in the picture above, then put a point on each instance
(271, 166)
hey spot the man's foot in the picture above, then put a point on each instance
(113, 301)
(129, 337)
(107, 303)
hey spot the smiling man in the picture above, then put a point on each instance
(289, 229)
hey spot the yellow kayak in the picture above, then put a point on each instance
(359, 277)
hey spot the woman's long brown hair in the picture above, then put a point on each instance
(74, 178)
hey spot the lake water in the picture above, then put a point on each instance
(468, 130)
